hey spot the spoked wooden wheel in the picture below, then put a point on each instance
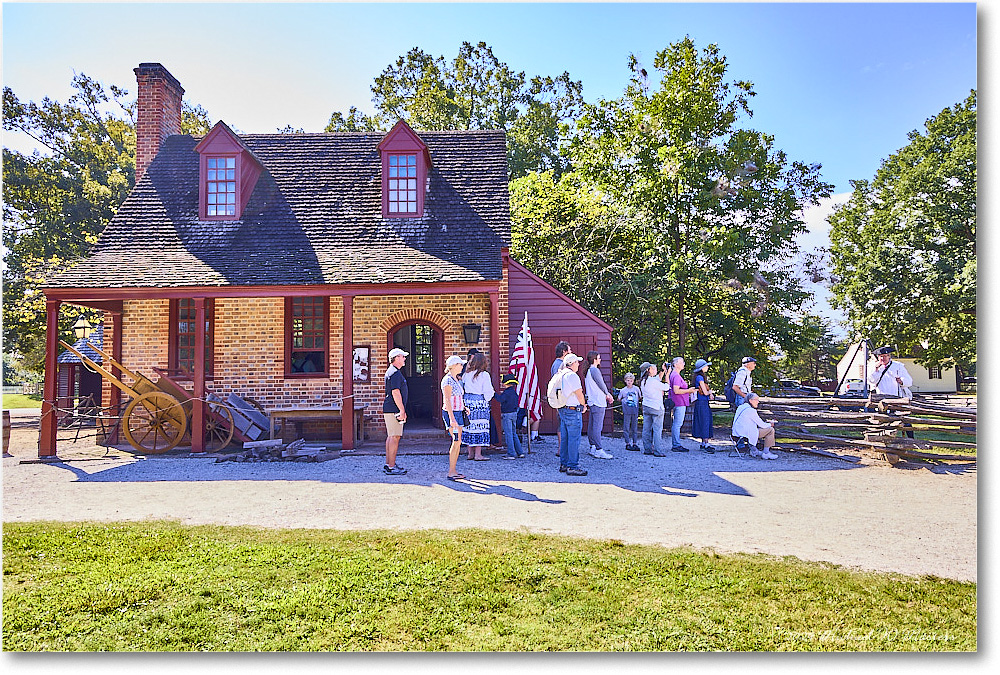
(154, 422)
(218, 428)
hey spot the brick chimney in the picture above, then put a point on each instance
(158, 112)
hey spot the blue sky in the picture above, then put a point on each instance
(839, 84)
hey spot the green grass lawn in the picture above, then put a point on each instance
(22, 401)
(162, 586)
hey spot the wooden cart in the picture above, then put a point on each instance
(159, 415)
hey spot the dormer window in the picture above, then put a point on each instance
(402, 184)
(405, 163)
(229, 173)
(220, 187)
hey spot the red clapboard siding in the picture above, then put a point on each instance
(553, 317)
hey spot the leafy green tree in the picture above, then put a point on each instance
(816, 357)
(702, 216)
(56, 204)
(475, 90)
(904, 246)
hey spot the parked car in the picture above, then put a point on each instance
(853, 388)
(791, 388)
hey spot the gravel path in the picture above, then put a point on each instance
(907, 520)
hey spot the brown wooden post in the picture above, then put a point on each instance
(347, 406)
(198, 408)
(47, 430)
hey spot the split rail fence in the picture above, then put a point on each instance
(878, 426)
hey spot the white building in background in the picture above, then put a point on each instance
(858, 362)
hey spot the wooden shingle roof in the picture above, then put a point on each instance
(314, 217)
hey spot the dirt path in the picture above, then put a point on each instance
(907, 520)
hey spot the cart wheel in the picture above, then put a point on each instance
(256, 404)
(218, 429)
(154, 422)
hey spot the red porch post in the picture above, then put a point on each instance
(47, 430)
(347, 406)
(495, 354)
(115, 398)
(198, 409)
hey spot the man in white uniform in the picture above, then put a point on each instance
(890, 377)
(748, 424)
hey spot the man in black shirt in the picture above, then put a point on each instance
(394, 409)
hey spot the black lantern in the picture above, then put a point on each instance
(471, 331)
(82, 328)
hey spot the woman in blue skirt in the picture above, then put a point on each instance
(702, 423)
(478, 393)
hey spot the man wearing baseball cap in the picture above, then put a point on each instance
(394, 409)
(743, 384)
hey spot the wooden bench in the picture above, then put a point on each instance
(313, 413)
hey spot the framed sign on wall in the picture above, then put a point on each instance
(362, 363)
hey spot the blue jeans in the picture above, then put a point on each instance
(570, 426)
(675, 427)
(595, 425)
(652, 430)
(509, 422)
(630, 426)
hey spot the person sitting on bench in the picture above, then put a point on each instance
(748, 425)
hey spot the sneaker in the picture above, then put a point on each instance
(538, 439)
(708, 449)
(767, 454)
(604, 454)
(521, 456)
(678, 448)
(595, 452)
(576, 472)
(647, 452)
(562, 468)
(755, 453)
(393, 470)
(510, 456)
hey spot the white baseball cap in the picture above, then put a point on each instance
(452, 360)
(397, 352)
(571, 358)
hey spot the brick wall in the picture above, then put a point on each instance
(250, 338)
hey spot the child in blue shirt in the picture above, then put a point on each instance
(508, 416)
(629, 396)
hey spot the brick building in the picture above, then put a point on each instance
(283, 254)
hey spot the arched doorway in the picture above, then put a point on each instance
(423, 370)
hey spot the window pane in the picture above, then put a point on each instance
(230, 174)
(230, 162)
(393, 207)
(393, 160)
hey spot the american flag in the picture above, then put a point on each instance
(522, 364)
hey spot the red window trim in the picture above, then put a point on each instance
(203, 186)
(421, 183)
(173, 362)
(288, 341)
(389, 178)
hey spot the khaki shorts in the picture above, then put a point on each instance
(393, 427)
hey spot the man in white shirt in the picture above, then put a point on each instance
(743, 383)
(748, 424)
(890, 377)
(571, 416)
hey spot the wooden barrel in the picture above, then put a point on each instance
(6, 432)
